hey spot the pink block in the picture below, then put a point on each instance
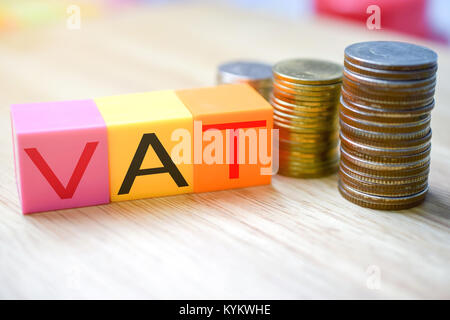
(60, 154)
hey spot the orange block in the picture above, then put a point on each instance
(239, 117)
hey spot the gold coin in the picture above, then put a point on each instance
(310, 87)
(308, 71)
(305, 120)
(308, 136)
(305, 174)
(304, 106)
(316, 163)
(307, 147)
(291, 96)
(324, 95)
(304, 128)
(306, 114)
(297, 168)
(308, 157)
(284, 100)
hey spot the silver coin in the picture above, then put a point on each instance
(382, 166)
(387, 137)
(390, 84)
(366, 148)
(369, 111)
(375, 89)
(391, 74)
(391, 55)
(397, 127)
(234, 71)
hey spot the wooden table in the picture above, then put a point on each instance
(293, 239)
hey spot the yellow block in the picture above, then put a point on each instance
(138, 126)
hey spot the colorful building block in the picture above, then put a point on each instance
(61, 155)
(80, 153)
(140, 128)
(237, 111)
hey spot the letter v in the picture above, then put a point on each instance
(68, 191)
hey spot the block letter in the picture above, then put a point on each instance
(135, 167)
(134, 122)
(68, 191)
(231, 109)
(61, 155)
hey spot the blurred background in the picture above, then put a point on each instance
(427, 19)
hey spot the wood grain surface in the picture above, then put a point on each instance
(293, 239)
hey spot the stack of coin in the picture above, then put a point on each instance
(258, 75)
(305, 100)
(385, 113)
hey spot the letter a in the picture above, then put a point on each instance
(135, 167)
(374, 20)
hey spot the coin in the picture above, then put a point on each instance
(390, 74)
(308, 119)
(392, 96)
(405, 127)
(370, 188)
(299, 97)
(290, 165)
(387, 159)
(391, 88)
(383, 173)
(256, 74)
(308, 71)
(392, 144)
(383, 166)
(385, 115)
(305, 146)
(310, 87)
(368, 148)
(381, 202)
(306, 173)
(300, 127)
(390, 55)
(384, 179)
(386, 103)
(324, 95)
(388, 84)
(305, 112)
(383, 136)
(305, 98)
